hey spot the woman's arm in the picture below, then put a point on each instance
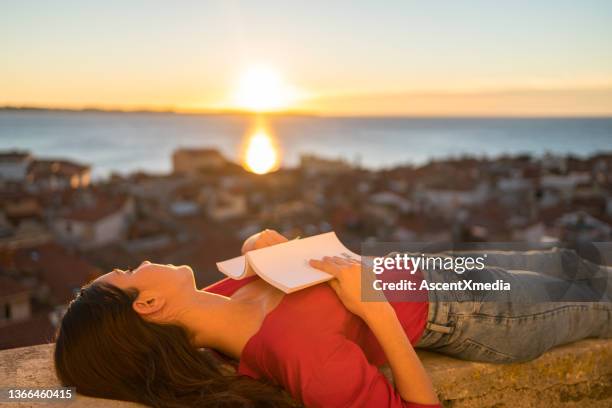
(411, 379)
(409, 375)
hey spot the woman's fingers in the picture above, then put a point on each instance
(315, 263)
(278, 238)
(329, 262)
(274, 237)
(268, 238)
(263, 239)
(325, 265)
(320, 264)
(336, 266)
(338, 261)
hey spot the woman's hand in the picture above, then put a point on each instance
(347, 284)
(262, 239)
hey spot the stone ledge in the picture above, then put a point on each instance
(579, 374)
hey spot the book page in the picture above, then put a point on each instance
(286, 265)
(235, 268)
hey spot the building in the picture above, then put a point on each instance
(194, 161)
(58, 272)
(14, 166)
(46, 273)
(225, 205)
(101, 222)
(54, 175)
(393, 200)
(312, 165)
(535, 232)
(579, 226)
(448, 200)
(567, 183)
(157, 188)
(14, 301)
(184, 208)
(21, 208)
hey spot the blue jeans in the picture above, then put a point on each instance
(510, 329)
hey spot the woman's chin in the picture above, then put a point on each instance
(186, 268)
(187, 273)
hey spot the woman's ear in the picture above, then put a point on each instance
(147, 304)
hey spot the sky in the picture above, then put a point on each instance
(337, 57)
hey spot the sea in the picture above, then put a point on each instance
(127, 142)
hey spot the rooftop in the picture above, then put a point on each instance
(198, 152)
(10, 287)
(101, 208)
(44, 168)
(14, 155)
(35, 330)
(60, 270)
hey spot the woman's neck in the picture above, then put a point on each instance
(219, 322)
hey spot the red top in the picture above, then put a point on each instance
(324, 355)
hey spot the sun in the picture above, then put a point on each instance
(261, 88)
(261, 154)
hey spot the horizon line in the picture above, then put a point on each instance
(289, 112)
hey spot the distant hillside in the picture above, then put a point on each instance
(10, 108)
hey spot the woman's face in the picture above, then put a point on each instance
(151, 276)
(162, 289)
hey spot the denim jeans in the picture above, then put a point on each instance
(512, 328)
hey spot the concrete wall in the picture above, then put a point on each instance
(19, 306)
(92, 234)
(109, 229)
(571, 376)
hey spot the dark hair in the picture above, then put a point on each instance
(105, 349)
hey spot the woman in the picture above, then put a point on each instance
(136, 335)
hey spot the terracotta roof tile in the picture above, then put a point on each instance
(9, 286)
(14, 155)
(42, 168)
(61, 271)
(36, 330)
(101, 209)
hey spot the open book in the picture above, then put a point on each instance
(285, 266)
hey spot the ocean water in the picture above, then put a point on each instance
(125, 142)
